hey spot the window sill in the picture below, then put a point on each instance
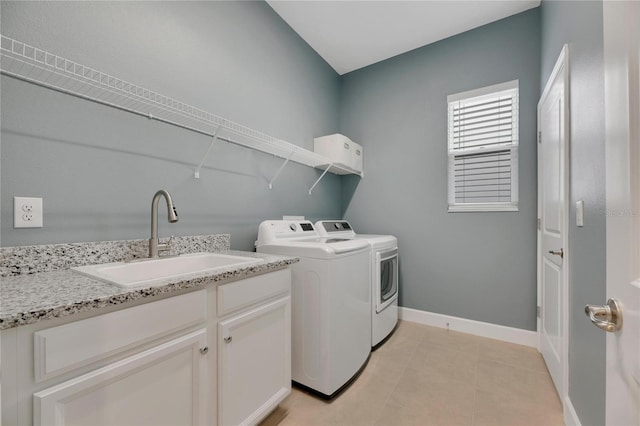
(471, 208)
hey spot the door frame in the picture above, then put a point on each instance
(622, 142)
(561, 67)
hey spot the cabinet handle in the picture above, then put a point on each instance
(228, 339)
(204, 350)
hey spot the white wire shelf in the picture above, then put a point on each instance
(28, 63)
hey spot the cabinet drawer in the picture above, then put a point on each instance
(244, 293)
(69, 346)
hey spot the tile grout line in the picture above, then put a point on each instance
(518, 367)
(404, 368)
(475, 388)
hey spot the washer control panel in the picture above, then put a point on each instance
(333, 226)
(306, 226)
(273, 230)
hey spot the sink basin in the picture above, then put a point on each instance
(155, 272)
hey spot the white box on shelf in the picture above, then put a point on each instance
(357, 154)
(341, 151)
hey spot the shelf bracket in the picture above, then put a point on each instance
(215, 138)
(320, 178)
(280, 169)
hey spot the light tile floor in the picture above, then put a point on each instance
(429, 376)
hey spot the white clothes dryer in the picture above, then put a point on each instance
(331, 299)
(383, 275)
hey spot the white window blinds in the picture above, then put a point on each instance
(483, 149)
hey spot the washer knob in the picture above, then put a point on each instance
(292, 227)
(336, 225)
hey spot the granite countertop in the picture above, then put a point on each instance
(29, 298)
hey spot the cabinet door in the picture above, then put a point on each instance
(254, 363)
(161, 386)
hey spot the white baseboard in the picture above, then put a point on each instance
(570, 415)
(483, 329)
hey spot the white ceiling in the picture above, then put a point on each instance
(352, 34)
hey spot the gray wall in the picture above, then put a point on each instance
(480, 266)
(580, 25)
(98, 168)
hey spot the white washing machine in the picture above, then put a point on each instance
(331, 299)
(383, 275)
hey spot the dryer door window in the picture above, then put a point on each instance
(387, 279)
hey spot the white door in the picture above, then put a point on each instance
(622, 116)
(552, 195)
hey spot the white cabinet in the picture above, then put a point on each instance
(220, 355)
(142, 365)
(254, 348)
(0, 381)
(164, 385)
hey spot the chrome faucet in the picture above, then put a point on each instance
(154, 245)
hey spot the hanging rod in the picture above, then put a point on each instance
(45, 69)
(122, 108)
(109, 104)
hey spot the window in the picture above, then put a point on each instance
(483, 149)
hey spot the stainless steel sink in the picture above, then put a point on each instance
(159, 271)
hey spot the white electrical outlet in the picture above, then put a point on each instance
(27, 212)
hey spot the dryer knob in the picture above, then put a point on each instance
(336, 225)
(293, 227)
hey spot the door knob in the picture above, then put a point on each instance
(557, 253)
(607, 317)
